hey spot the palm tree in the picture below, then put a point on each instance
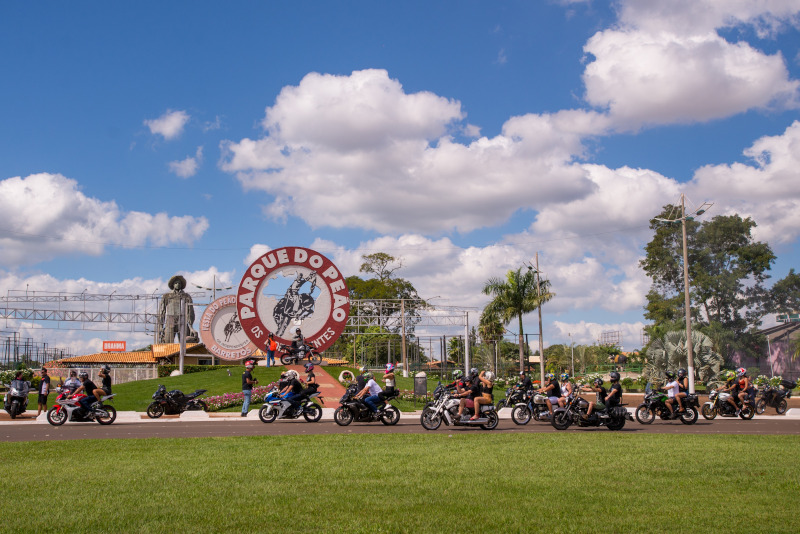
(669, 352)
(515, 296)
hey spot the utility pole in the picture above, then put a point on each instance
(541, 342)
(403, 340)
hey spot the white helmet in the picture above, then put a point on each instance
(291, 374)
(488, 375)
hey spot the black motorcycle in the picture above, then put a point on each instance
(612, 418)
(15, 401)
(655, 405)
(353, 409)
(175, 402)
(513, 397)
(775, 397)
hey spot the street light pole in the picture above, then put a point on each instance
(689, 343)
(572, 354)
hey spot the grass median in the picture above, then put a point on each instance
(465, 481)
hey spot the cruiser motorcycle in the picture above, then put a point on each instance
(513, 397)
(535, 407)
(612, 418)
(353, 409)
(444, 408)
(775, 397)
(655, 405)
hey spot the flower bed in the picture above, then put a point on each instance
(227, 400)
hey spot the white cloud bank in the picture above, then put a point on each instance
(169, 125)
(186, 168)
(44, 216)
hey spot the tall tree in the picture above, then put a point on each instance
(515, 296)
(727, 272)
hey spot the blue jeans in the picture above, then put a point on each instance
(372, 402)
(86, 402)
(270, 358)
(247, 394)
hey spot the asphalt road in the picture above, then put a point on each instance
(200, 429)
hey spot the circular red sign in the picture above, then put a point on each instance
(289, 288)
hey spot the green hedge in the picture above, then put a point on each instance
(166, 370)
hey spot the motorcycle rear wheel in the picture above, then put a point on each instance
(198, 405)
(747, 412)
(155, 410)
(343, 416)
(561, 420)
(391, 416)
(286, 359)
(266, 415)
(761, 405)
(689, 416)
(56, 417)
(313, 413)
(521, 415)
(709, 412)
(493, 421)
(429, 419)
(616, 424)
(645, 415)
(781, 407)
(110, 418)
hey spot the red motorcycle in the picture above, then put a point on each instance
(69, 408)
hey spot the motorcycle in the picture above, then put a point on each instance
(353, 409)
(535, 407)
(445, 409)
(15, 401)
(513, 397)
(69, 408)
(654, 404)
(292, 356)
(612, 418)
(775, 397)
(718, 405)
(174, 402)
(276, 407)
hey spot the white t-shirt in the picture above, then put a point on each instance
(673, 388)
(373, 386)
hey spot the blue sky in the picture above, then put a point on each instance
(142, 140)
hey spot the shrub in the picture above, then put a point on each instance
(166, 370)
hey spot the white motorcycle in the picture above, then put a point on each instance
(276, 407)
(15, 401)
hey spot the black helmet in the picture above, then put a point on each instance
(83, 374)
(106, 368)
(670, 375)
(614, 376)
(681, 372)
(598, 382)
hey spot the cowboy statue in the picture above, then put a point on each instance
(169, 313)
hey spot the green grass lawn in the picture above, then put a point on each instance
(437, 482)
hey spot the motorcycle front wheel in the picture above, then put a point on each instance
(391, 416)
(561, 420)
(645, 415)
(155, 410)
(521, 415)
(781, 407)
(429, 419)
(266, 415)
(56, 417)
(500, 405)
(709, 412)
(343, 416)
(14, 409)
(689, 416)
(313, 413)
(493, 421)
(761, 405)
(107, 419)
(315, 358)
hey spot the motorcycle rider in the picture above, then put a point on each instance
(293, 389)
(746, 388)
(551, 391)
(732, 385)
(486, 380)
(298, 341)
(105, 375)
(373, 389)
(672, 390)
(614, 397)
(87, 387)
(598, 388)
(683, 387)
(525, 383)
(471, 391)
(360, 380)
(566, 390)
(388, 380)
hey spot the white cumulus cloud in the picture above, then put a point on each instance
(187, 167)
(169, 125)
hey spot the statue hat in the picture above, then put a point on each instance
(177, 278)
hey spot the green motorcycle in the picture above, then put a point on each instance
(655, 405)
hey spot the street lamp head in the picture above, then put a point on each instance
(700, 212)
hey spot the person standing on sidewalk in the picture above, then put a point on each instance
(272, 346)
(44, 391)
(247, 387)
